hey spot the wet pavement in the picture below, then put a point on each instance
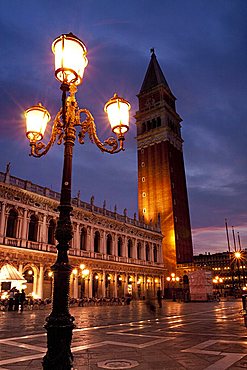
(177, 336)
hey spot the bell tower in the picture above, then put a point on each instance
(162, 191)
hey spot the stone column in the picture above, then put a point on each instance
(145, 286)
(35, 281)
(18, 227)
(90, 285)
(75, 286)
(152, 252)
(44, 230)
(24, 226)
(134, 250)
(77, 239)
(90, 239)
(125, 248)
(103, 284)
(40, 230)
(2, 220)
(135, 287)
(115, 285)
(103, 243)
(114, 245)
(126, 284)
(87, 288)
(40, 281)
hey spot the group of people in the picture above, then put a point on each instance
(16, 300)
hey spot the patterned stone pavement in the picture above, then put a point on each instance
(178, 336)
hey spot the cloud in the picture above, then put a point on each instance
(200, 46)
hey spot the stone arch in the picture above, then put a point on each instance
(97, 241)
(109, 244)
(33, 228)
(130, 248)
(51, 231)
(139, 250)
(120, 246)
(147, 252)
(83, 239)
(155, 252)
(11, 229)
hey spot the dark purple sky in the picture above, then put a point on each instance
(201, 47)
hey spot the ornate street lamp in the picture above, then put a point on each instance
(70, 62)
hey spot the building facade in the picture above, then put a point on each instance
(162, 191)
(112, 255)
(229, 270)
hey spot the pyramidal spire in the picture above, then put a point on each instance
(154, 75)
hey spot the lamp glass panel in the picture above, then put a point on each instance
(36, 121)
(118, 114)
(70, 58)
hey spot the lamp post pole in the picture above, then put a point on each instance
(70, 62)
(59, 324)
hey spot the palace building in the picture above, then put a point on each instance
(112, 254)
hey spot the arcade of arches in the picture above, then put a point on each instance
(112, 255)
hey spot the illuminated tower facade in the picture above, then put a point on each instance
(162, 191)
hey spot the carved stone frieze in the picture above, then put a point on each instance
(165, 134)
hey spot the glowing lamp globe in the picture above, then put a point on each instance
(70, 59)
(117, 110)
(37, 118)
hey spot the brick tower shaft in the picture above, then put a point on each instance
(162, 191)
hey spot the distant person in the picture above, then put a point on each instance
(22, 299)
(149, 303)
(159, 297)
(17, 300)
(11, 300)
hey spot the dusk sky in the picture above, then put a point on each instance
(201, 46)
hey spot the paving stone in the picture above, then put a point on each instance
(177, 337)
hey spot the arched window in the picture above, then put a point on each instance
(147, 252)
(51, 232)
(83, 239)
(130, 248)
(96, 241)
(139, 251)
(109, 244)
(143, 127)
(155, 253)
(120, 247)
(12, 224)
(149, 125)
(33, 229)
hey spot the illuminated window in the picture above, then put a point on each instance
(143, 179)
(143, 164)
(144, 210)
(144, 194)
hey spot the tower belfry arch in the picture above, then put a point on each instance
(162, 191)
